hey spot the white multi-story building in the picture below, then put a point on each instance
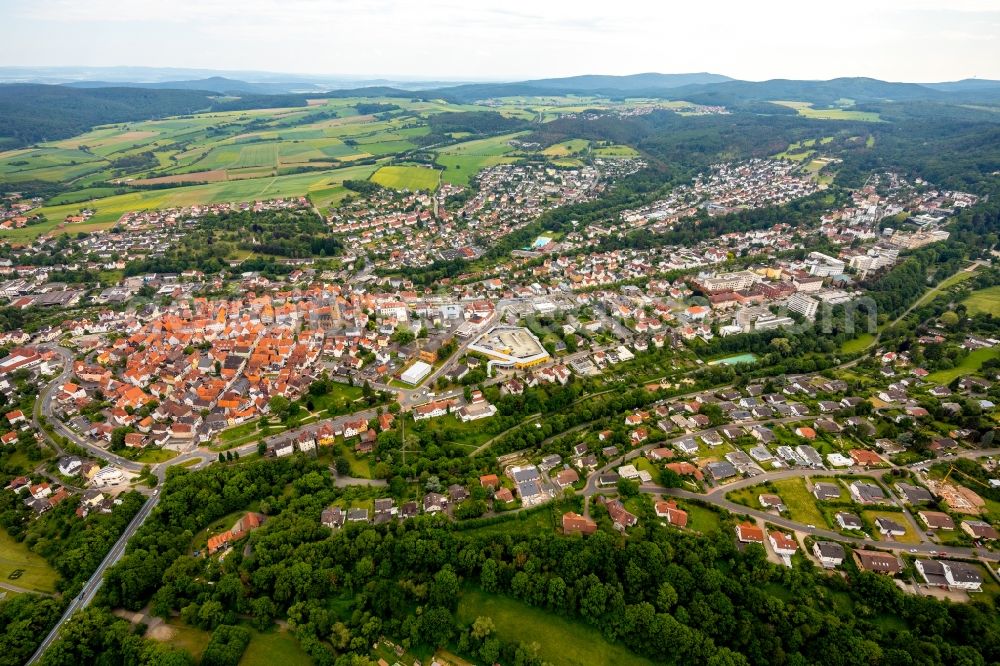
(823, 265)
(874, 259)
(804, 305)
(729, 281)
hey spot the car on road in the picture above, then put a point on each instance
(913, 550)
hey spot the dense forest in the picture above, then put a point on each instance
(475, 123)
(31, 113)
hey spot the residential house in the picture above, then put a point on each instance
(574, 523)
(866, 493)
(784, 545)
(979, 529)
(889, 528)
(878, 562)
(914, 494)
(826, 492)
(674, 516)
(333, 517)
(848, 521)
(953, 575)
(828, 553)
(435, 502)
(937, 520)
(749, 533)
(772, 502)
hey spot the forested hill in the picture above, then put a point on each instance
(734, 93)
(30, 113)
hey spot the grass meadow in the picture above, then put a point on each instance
(985, 301)
(561, 640)
(36, 574)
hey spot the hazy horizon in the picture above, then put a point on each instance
(168, 73)
(447, 40)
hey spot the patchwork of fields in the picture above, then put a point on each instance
(234, 156)
(463, 160)
(323, 183)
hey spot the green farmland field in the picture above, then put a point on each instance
(567, 148)
(616, 151)
(967, 366)
(110, 209)
(407, 177)
(236, 156)
(464, 160)
(806, 109)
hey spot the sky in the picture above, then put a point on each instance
(898, 40)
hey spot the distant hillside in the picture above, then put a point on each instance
(630, 82)
(30, 113)
(860, 90)
(719, 90)
(590, 84)
(964, 85)
(216, 84)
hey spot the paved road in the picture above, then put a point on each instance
(925, 548)
(43, 406)
(44, 399)
(90, 589)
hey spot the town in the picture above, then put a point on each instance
(569, 374)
